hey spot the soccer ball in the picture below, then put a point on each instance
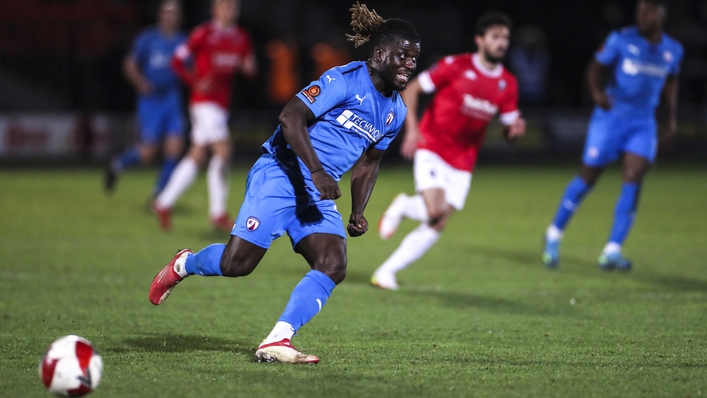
(71, 367)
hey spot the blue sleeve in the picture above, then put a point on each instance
(610, 51)
(324, 94)
(677, 59)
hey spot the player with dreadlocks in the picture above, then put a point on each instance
(345, 120)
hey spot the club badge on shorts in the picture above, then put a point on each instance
(252, 223)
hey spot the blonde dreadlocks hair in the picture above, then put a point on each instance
(369, 26)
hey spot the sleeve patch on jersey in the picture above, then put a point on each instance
(668, 56)
(182, 51)
(312, 92)
(426, 83)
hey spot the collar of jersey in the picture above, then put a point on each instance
(496, 72)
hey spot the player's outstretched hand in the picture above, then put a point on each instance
(667, 133)
(515, 130)
(409, 144)
(358, 225)
(144, 87)
(204, 84)
(326, 184)
(669, 130)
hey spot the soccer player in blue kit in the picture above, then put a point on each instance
(641, 64)
(159, 107)
(345, 120)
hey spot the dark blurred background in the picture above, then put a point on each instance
(63, 95)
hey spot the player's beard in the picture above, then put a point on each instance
(496, 59)
(390, 81)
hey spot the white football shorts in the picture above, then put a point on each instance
(431, 171)
(209, 123)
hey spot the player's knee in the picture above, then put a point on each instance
(438, 224)
(635, 174)
(147, 154)
(589, 178)
(338, 275)
(198, 154)
(336, 270)
(439, 215)
(436, 214)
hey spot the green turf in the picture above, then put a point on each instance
(478, 315)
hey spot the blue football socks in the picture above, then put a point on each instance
(130, 157)
(307, 299)
(574, 193)
(168, 167)
(206, 262)
(625, 212)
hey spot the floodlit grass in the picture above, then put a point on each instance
(478, 315)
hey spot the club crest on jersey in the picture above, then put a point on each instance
(389, 118)
(470, 74)
(252, 223)
(593, 152)
(668, 56)
(502, 84)
(312, 92)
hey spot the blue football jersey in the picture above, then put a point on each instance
(351, 116)
(153, 53)
(640, 68)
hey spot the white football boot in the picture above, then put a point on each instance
(385, 281)
(283, 351)
(390, 220)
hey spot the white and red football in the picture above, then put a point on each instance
(71, 367)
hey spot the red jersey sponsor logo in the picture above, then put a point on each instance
(478, 107)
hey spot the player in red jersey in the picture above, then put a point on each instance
(215, 51)
(469, 90)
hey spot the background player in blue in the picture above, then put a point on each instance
(639, 63)
(159, 106)
(345, 120)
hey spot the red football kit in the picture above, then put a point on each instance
(467, 97)
(217, 54)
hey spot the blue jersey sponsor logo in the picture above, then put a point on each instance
(635, 67)
(364, 128)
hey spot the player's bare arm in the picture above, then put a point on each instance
(670, 101)
(180, 67)
(136, 78)
(515, 130)
(363, 178)
(597, 75)
(411, 97)
(293, 119)
(250, 67)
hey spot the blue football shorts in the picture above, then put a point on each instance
(612, 133)
(158, 119)
(275, 202)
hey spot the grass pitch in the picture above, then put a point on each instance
(478, 315)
